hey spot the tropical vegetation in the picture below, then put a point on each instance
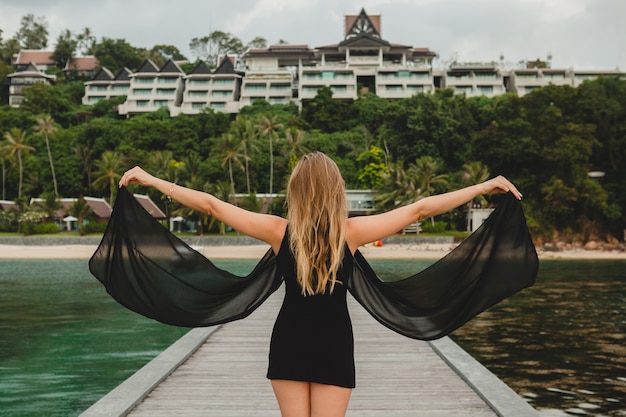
(564, 147)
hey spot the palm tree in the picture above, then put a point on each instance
(4, 157)
(228, 147)
(84, 153)
(45, 127)
(268, 127)
(50, 204)
(295, 139)
(400, 186)
(108, 170)
(17, 146)
(245, 133)
(474, 172)
(81, 210)
(426, 168)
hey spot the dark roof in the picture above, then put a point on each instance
(31, 71)
(123, 75)
(201, 68)
(103, 75)
(149, 205)
(171, 67)
(148, 66)
(226, 66)
(364, 40)
(362, 24)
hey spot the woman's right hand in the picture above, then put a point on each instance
(137, 175)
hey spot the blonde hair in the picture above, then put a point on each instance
(317, 212)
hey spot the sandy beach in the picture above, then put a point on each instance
(390, 251)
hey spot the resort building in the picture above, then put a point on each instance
(474, 80)
(105, 85)
(83, 66)
(362, 62)
(152, 89)
(26, 77)
(218, 90)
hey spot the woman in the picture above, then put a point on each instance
(311, 363)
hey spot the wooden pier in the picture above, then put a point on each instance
(221, 372)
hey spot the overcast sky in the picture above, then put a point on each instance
(583, 34)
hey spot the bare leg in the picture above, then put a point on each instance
(329, 400)
(294, 397)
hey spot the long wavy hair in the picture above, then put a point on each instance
(317, 212)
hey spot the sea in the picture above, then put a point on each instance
(561, 344)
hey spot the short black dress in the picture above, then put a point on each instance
(312, 338)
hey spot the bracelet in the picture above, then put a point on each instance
(169, 195)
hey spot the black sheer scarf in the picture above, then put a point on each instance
(150, 271)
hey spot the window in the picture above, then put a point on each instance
(198, 106)
(256, 87)
(166, 91)
(120, 88)
(485, 89)
(199, 82)
(280, 87)
(394, 89)
(168, 80)
(99, 88)
(198, 94)
(143, 103)
(415, 89)
(486, 76)
(142, 91)
(278, 100)
(339, 89)
(161, 103)
(218, 106)
(144, 80)
(221, 94)
(463, 90)
(223, 82)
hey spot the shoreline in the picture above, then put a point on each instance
(389, 251)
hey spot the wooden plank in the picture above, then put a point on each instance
(396, 376)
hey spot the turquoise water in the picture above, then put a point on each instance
(64, 343)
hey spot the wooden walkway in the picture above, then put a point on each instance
(396, 376)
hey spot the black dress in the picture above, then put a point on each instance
(152, 272)
(312, 337)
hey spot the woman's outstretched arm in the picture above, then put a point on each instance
(365, 229)
(267, 228)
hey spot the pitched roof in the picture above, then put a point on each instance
(82, 63)
(171, 67)
(26, 56)
(362, 23)
(7, 205)
(100, 207)
(32, 71)
(364, 40)
(149, 205)
(201, 68)
(147, 66)
(226, 66)
(103, 75)
(123, 75)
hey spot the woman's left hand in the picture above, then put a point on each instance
(499, 185)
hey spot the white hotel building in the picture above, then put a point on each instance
(362, 62)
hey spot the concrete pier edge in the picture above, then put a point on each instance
(499, 396)
(123, 398)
